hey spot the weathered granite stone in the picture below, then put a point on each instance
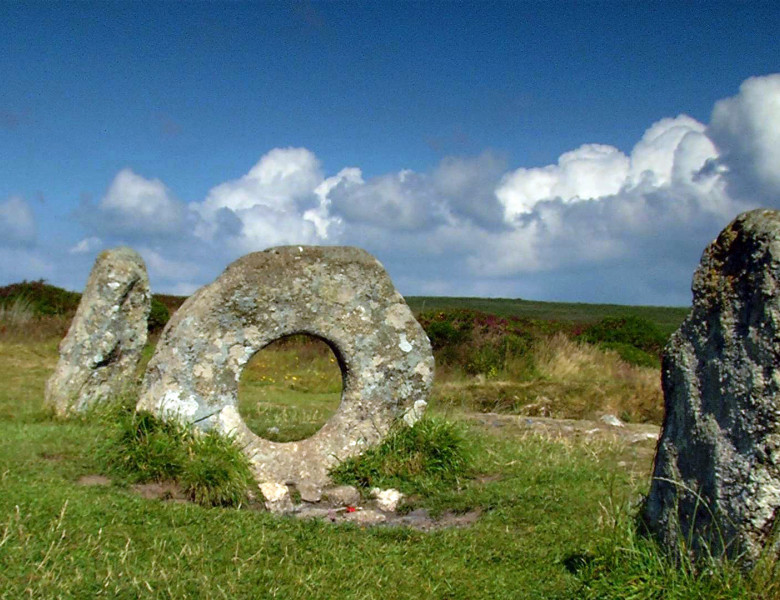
(339, 294)
(717, 468)
(386, 500)
(342, 495)
(100, 353)
(277, 497)
(309, 492)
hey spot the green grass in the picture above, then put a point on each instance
(137, 447)
(432, 456)
(667, 319)
(290, 389)
(556, 514)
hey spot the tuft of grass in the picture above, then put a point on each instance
(216, 472)
(628, 564)
(432, 454)
(144, 448)
(209, 467)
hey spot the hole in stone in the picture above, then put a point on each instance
(289, 389)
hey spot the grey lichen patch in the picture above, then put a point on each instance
(340, 294)
(100, 353)
(717, 468)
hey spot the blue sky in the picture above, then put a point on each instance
(561, 151)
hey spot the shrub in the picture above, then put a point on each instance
(42, 298)
(416, 459)
(477, 342)
(622, 333)
(158, 316)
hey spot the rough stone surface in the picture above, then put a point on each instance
(277, 497)
(309, 492)
(340, 294)
(342, 495)
(612, 420)
(717, 466)
(386, 500)
(100, 353)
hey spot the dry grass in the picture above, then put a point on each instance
(19, 323)
(570, 380)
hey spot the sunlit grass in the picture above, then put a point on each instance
(290, 389)
(568, 380)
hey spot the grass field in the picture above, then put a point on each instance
(667, 318)
(556, 508)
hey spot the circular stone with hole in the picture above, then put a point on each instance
(340, 294)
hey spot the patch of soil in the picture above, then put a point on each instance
(366, 516)
(52, 456)
(93, 480)
(164, 490)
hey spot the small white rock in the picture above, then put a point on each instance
(386, 500)
(277, 497)
(415, 412)
(612, 420)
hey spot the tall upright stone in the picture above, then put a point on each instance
(100, 353)
(716, 479)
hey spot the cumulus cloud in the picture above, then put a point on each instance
(276, 202)
(590, 171)
(136, 207)
(746, 130)
(599, 224)
(405, 200)
(17, 223)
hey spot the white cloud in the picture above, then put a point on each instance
(400, 201)
(275, 203)
(590, 171)
(598, 223)
(136, 207)
(169, 269)
(17, 222)
(746, 130)
(87, 245)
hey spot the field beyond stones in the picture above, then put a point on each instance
(555, 487)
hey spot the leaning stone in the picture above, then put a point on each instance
(342, 495)
(716, 479)
(100, 353)
(277, 497)
(340, 294)
(386, 500)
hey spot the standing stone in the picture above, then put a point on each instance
(339, 294)
(100, 353)
(716, 485)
